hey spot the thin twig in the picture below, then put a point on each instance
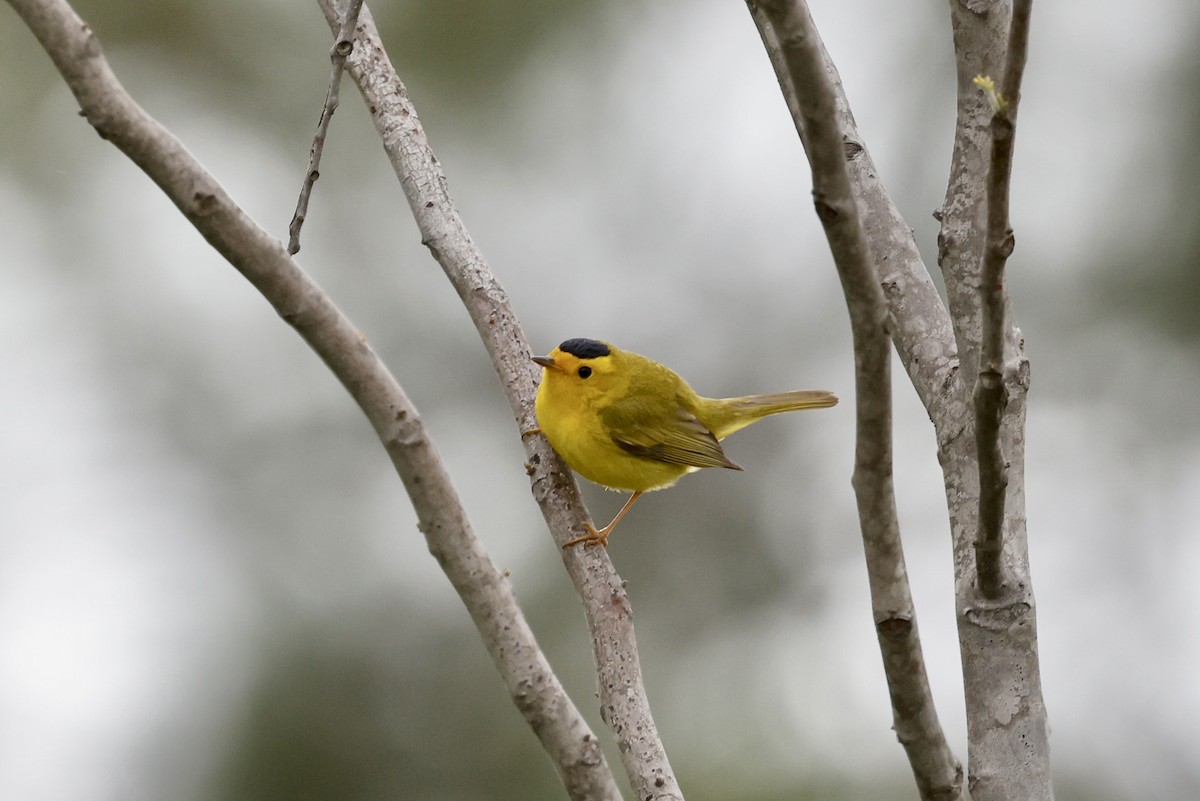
(937, 772)
(623, 702)
(337, 57)
(484, 590)
(991, 394)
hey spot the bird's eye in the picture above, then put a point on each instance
(584, 371)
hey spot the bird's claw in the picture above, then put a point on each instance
(592, 537)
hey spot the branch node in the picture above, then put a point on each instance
(827, 212)
(997, 615)
(895, 628)
(205, 203)
(994, 98)
(1008, 244)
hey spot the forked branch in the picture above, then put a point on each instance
(485, 592)
(623, 702)
(1008, 753)
(919, 322)
(800, 61)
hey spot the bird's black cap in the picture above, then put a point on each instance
(585, 348)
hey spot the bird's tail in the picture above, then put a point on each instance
(737, 413)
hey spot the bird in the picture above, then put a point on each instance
(628, 423)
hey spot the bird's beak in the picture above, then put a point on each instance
(547, 362)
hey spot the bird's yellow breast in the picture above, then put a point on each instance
(569, 415)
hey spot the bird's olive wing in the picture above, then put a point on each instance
(676, 436)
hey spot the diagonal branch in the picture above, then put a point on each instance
(991, 395)
(920, 324)
(623, 702)
(485, 592)
(938, 773)
(337, 56)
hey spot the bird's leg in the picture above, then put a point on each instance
(601, 536)
(529, 432)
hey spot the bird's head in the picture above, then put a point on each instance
(584, 369)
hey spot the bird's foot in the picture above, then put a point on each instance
(592, 536)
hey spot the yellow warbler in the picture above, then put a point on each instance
(629, 423)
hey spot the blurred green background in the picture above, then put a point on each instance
(211, 583)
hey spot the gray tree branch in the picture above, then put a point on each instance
(76, 52)
(980, 29)
(1008, 741)
(991, 395)
(337, 57)
(919, 322)
(1008, 745)
(788, 31)
(623, 702)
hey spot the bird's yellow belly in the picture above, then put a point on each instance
(591, 452)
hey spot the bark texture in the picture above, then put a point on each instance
(262, 259)
(940, 345)
(810, 86)
(624, 706)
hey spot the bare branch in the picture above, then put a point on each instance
(991, 395)
(800, 56)
(623, 703)
(1008, 740)
(485, 592)
(920, 324)
(337, 56)
(979, 29)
